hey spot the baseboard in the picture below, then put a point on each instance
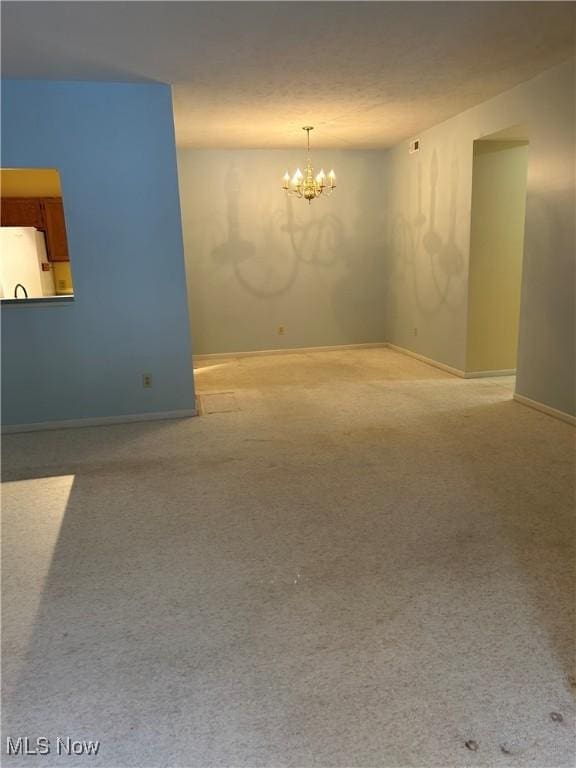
(291, 351)
(489, 374)
(547, 409)
(428, 361)
(99, 421)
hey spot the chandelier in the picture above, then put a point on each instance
(305, 184)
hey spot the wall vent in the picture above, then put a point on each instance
(415, 146)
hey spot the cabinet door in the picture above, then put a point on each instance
(56, 241)
(21, 212)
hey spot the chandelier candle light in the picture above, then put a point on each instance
(307, 185)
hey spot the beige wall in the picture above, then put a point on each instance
(257, 259)
(62, 277)
(496, 246)
(430, 194)
(30, 182)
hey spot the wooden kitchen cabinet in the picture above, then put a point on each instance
(44, 213)
(22, 212)
(56, 241)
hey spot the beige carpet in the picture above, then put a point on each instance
(351, 559)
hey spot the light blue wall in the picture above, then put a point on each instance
(114, 147)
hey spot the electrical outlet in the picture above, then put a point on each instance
(280, 330)
(146, 380)
(415, 331)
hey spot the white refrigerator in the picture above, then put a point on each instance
(25, 271)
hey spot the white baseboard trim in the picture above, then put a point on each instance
(489, 374)
(291, 351)
(98, 421)
(429, 361)
(547, 409)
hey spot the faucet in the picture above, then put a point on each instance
(19, 285)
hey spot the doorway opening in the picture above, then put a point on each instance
(500, 164)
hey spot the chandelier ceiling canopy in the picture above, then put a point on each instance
(308, 185)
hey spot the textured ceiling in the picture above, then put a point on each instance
(250, 74)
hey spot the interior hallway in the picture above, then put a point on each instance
(351, 559)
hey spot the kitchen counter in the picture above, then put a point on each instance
(61, 299)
